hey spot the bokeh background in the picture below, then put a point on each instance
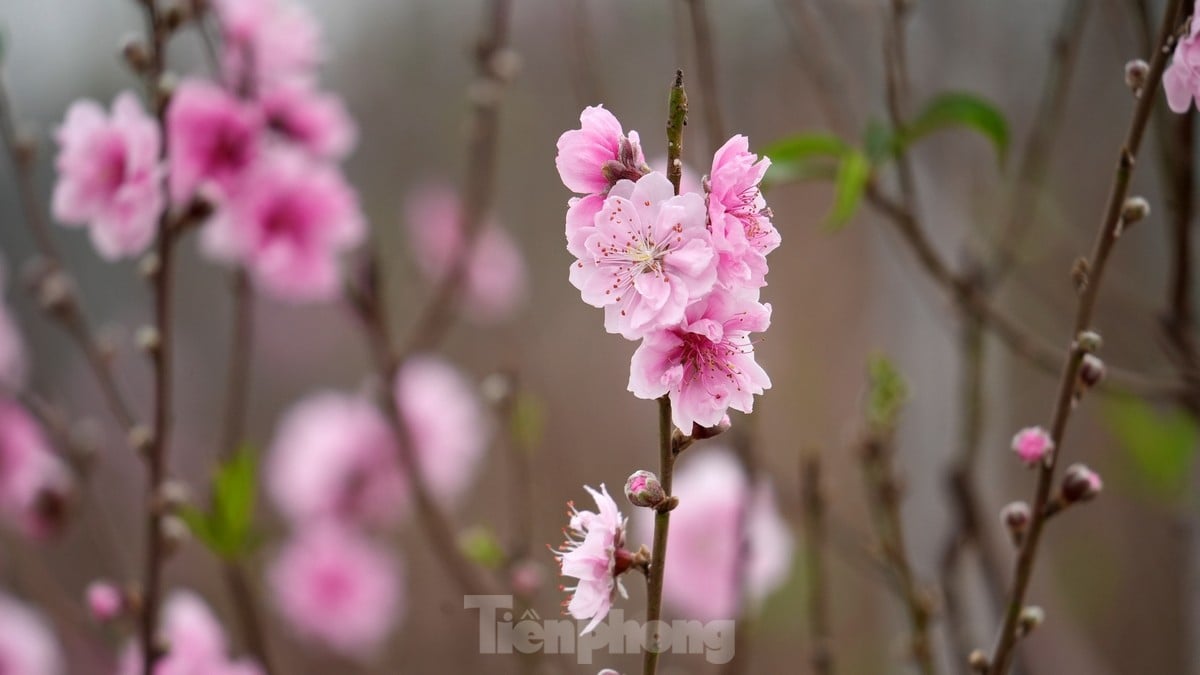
(1119, 580)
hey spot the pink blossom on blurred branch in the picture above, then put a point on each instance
(1181, 80)
(738, 214)
(315, 121)
(335, 586)
(195, 640)
(27, 646)
(213, 138)
(590, 554)
(495, 282)
(268, 41)
(35, 484)
(109, 175)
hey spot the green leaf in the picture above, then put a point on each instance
(480, 545)
(887, 393)
(958, 109)
(806, 156)
(228, 528)
(853, 174)
(1162, 445)
(879, 142)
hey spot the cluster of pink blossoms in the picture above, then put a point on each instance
(260, 147)
(1181, 80)
(682, 273)
(334, 472)
(198, 643)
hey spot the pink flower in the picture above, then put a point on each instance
(27, 646)
(333, 586)
(333, 457)
(197, 644)
(727, 538)
(35, 485)
(212, 138)
(648, 257)
(495, 282)
(268, 41)
(740, 221)
(1181, 80)
(590, 554)
(104, 600)
(594, 157)
(445, 422)
(1032, 445)
(109, 175)
(706, 364)
(287, 224)
(316, 121)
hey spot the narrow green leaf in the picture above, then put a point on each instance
(887, 393)
(959, 109)
(227, 528)
(807, 156)
(1161, 445)
(853, 174)
(879, 142)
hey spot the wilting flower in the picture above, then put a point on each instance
(727, 538)
(648, 256)
(1032, 445)
(335, 586)
(334, 457)
(740, 222)
(35, 484)
(109, 175)
(287, 223)
(196, 642)
(1181, 80)
(27, 646)
(494, 276)
(706, 364)
(267, 41)
(316, 121)
(590, 161)
(591, 554)
(213, 139)
(445, 422)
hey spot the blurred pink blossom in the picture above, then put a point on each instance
(35, 484)
(268, 41)
(738, 214)
(1181, 80)
(590, 555)
(197, 644)
(446, 423)
(722, 522)
(287, 223)
(314, 120)
(648, 256)
(706, 364)
(104, 600)
(333, 585)
(27, 645)
(1032, 445)
(495, 281)
(109, 175)
(333, 457)
(213, 139)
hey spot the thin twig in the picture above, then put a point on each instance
(1105, 239)
(710, 98)
(813, 500)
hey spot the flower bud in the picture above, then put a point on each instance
(172, 495)
(1091, 370)
(1089, 341)
(700, 433)
(104, 600)
(1031, 617)
(528, 577)
(133, 50)
(643, 489)
(141, 438)
(55, 292)
(1134, 209)
(1033, 445)
(1080, 484)
(148, 339)
(1135, 75)
(149, 266)
(174, 533)
(1015, 517)
(978, 661)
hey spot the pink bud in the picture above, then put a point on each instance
(1015, 516)
(104, 600)
(1080, 483)
(1032, 445)
(528, 577)
(643, 489)
(1091, 370)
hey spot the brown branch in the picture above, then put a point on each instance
(813, 500)
(1105, 239)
